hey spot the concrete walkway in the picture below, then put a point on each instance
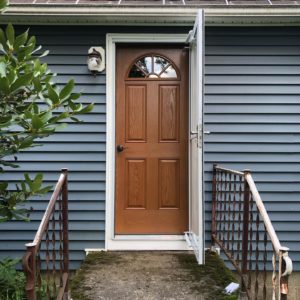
(150, 276)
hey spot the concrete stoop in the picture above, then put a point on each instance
(159, 275)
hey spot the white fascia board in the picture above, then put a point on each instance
(42, 14)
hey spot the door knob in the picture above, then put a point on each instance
(120, 148)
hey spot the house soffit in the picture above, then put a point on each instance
(153, 12)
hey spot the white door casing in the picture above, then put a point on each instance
(145, 242)
(129, 242)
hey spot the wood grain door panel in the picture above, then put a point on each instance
(152, 126)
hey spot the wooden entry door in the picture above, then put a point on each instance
(151, 140)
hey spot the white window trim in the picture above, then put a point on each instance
(129, 242)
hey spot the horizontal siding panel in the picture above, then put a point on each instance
(253, 60)
(248, 147)
(245, 117)
(252, 79)
(255, 157)
(77, 186)
(252, 138)
(74, 215)
(251, 41)
(54, 59)
(79, 205)
(73, 225)
(256, 166)
(29, 156)
(75, 197)
(71, 69)
(252, 99)
(254, 109)
(50, 178)
(252, 50)
(68, 147)
(87, 79)
(261, 128)
(73, 137)
(252, 89)
(55, 166)
(246, 70)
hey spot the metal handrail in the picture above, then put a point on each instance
(263, 212)
(237, 214)
(32, 262)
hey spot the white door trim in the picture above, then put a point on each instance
(113, 242)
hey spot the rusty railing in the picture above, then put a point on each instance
(242, 228)
(46, 261)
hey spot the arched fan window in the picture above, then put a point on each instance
(154, 67)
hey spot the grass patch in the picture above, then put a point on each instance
(93, 260)
(211, 278)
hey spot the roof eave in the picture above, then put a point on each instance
(214, 16)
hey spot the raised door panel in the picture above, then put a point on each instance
(136, 113)
(169, 121)
(169, 183)
(135, 183)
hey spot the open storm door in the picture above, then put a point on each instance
(195, 235)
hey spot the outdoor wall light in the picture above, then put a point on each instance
(96, 60)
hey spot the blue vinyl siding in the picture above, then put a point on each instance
(252, 108)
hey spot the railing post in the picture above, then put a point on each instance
(284, 270)
(244, 266)
(29, 266)
(65, 230)
(214, 207)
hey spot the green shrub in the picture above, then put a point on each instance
(12, 282)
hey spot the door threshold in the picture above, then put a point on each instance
(148, 242)
(148, 237)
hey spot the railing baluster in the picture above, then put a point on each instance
(60, 242)
(229, 211)
(224, 209)
(214, 207)
(38, 274)
(274, 276)
(245, 234)
(250, 242)
(47, 260)
(53, 256)
(65, 231)
(257, 256)
(265, 257)
(233, 216)
(239, 221)
(220, 195)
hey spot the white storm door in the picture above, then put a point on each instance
(195, 236)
